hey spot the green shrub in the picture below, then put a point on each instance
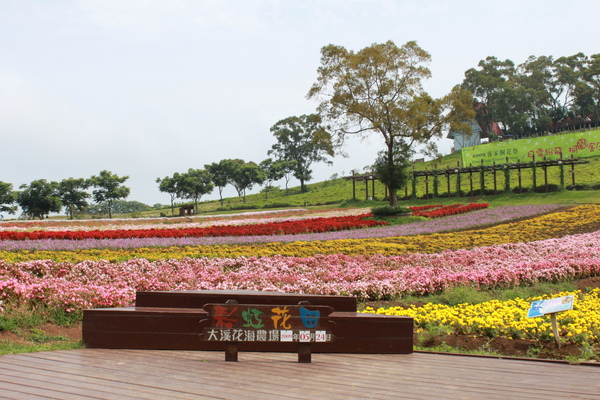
(385, 211)
(278, 205)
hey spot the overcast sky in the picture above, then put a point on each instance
(146, 88)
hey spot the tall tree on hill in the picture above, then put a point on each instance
(303, 140)
(39, 199)
(73, 195)
(379, 90)
(109, 188)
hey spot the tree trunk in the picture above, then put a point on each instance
(393, 198)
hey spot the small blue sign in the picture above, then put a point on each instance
(543, 307)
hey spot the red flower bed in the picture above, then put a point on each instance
(442, 211)
(313, 225)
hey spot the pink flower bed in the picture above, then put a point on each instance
(101, 284)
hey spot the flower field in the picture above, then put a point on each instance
(509, 318)
(57, 266)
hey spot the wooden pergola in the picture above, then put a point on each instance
(469, 171)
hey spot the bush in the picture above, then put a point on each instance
(278, 205)
(238, 207)
(551, 188)
(389, 210)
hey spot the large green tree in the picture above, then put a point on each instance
(245, 175)
(222, 173)
(7, 198)
(109, 187)
(303, 140)
(73, 195)
(39, 199)
(379, 90)
(196, 183)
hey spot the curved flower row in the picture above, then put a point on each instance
(456, 222)
(194, 221)
(453, 209)
(102, 283)
(509, 318)
(313, 225)
(542, 227)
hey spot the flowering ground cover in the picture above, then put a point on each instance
(581, 218)
(194, 221)
(509, 318)
(312, 225)
(190, 247)
(102, 283)
(443, 211)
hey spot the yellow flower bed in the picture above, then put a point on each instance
(538, 228)
(509, 318)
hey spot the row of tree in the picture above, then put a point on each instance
(300, 141)
(40, 197)
(533, 97)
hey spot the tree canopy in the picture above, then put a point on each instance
(7, 198)
(173, 186)
(222, 174)
(109, 188)
(536, 96)
(72, 194)
(245, 175)
(302, 140)
(39, 199)
(379, 90)
(195, 183)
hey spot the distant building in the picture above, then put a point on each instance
(462, 140)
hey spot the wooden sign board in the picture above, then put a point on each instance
(233, 323)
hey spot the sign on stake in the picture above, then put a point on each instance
(540, 308)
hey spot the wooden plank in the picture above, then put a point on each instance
(159, 374)
(99, 379)
(182, 376)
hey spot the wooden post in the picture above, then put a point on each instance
(546, 175)
(372, 186)
(555, 329)
(353, 187)
(304, 353)
(231, 348)
(366, 188)
(573, 175)
(471, 183)
(231, 351)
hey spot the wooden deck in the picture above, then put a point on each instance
(156, 374)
